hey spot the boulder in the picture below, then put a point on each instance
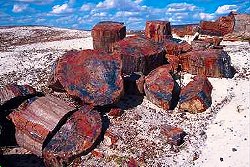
(92, 76)
(139, 55)
(160, 87)
(174, 135)
(12, 91)
(106, 33)
(35, 119)
(77, 136)
(157, 30)
(195, 97)
(181, 31)
(210, 62)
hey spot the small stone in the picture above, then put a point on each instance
(97, 153)
(115, 112)
(175, 136)
(234, 149)
(221, 159)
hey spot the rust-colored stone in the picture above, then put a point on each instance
(37, 118)
(175, 136)
(134, 84)
(105, 34)
(75, 137)
(158, 30)
(196, 97)
(139, 55)
(110, 138)
(91, 75)
(185, 30)
(159, 86)
(115, 112)
(210, 62)
(174, 62)
(12, 91)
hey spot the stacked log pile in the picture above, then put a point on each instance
(105, 34)
(139, 54)
(158, 30)
(100, 85)
(196, 97)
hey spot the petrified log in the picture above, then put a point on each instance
(106, 33)
(36, 119)
(185, 30)
(158, 30)
(175, 48)
(12, 91)
(174, 62)
(196, 97)
(91, 75)
(139, 55)
(134, 84)
(159, 87)
(77, 136)
(242, 23)
(210, 62)
(175, 136)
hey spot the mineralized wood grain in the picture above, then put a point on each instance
(139, 55)
(105, 34)
(91, 75)
(77, 136)
(159, 86)
(158, 30)
(196, 97)
(37, 118)
(12, 91)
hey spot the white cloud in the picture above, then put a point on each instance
(180, 7)
(40, 2)
(138, 1)
(225, 9)
(17, 8)
(126, 14)
(206, 16)
(64, 8)
(87, 7)
(101, 14)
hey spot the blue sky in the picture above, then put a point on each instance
(83, 14)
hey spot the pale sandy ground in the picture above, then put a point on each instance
(226, 123)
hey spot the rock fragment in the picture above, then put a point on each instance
(195, 97)
(76, 137)
(174, 135)
(91, 75)
(139, 55)
(106, 33)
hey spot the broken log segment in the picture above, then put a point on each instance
(76, 137)
(158, 30)
(139, 55)
(12, 91)
(160, 87)
(35, 119)
(209, 62)
(106, 33)
(195, 97)
(91, 75)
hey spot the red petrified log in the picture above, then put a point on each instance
(12, 91)
(139, 55)
(175, 136)
(185, 30)
(196, 96)
(210, 62)
(175, 48)
(92, 75)
(158, 30)
(77, 136)
(36, 118)
(134, 84)
(159, 86)
(105, 34)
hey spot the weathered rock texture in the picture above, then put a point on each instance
(222, 26)
(241, 23)
(12, 91)
(159, 87)
(175, 136)
(185, 30)
(196, 97)
(139, 55)
(91, 75)
(36, 119)
(77, 136)
(158, 30)
(210, 62)
(105, 34)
